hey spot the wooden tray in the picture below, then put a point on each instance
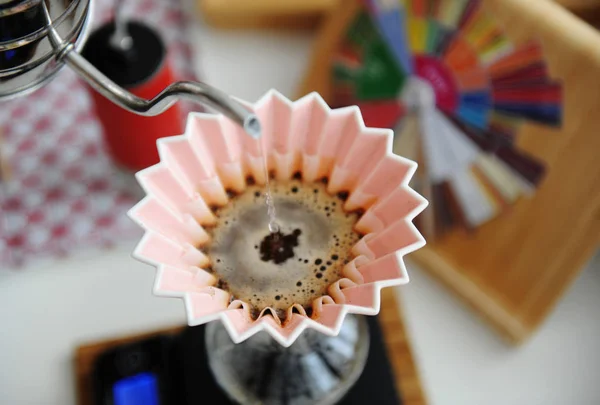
(514, 269)
(398, 345)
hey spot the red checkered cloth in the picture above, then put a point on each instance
(65, 194)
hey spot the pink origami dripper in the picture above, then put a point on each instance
(215, 155)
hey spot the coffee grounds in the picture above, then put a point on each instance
(278, 247)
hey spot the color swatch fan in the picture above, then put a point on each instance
(444, 75)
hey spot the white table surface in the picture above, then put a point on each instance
(47, 310)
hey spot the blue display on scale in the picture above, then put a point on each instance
(140, 389)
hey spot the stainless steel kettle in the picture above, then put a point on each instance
(39, 37)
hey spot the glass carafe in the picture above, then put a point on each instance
(316, 370)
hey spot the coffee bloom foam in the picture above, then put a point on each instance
(214, 156)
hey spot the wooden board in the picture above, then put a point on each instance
(265, 14)
(399, 349)
(588, 10)
(397, 341)
(579, 5)
(308, 14)
(514, 269)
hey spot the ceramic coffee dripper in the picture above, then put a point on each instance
(214, 155)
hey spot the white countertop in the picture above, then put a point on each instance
(47, 310)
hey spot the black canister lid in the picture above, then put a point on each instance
(131, 67)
